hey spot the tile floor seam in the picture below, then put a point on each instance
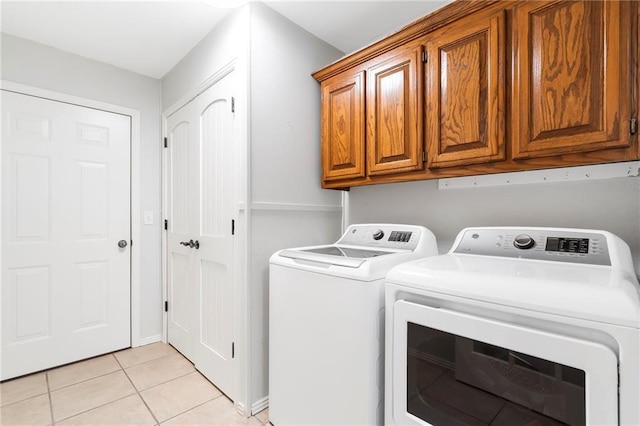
(82, 381)
(91, 409)
(46, 377)
(145, 361)
(139, 394)
(193, 408)
(165, 382)
(133, 391)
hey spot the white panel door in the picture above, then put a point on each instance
(200, 172)
(65, 207)
(182, 216)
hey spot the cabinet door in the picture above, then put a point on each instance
(394, 126)
(571, 77)
(465, 112)
(343, 127)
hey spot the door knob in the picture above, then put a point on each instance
(191, 244)
(122, 243)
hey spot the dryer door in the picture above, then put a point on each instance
(453, 368)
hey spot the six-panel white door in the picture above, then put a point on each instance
(200, 208)
(65, 207)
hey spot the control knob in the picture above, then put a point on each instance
(378, 234)
(524, 241)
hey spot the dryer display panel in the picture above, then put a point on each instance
(568, 245)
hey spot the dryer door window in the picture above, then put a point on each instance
(451, 368)
(452, 376)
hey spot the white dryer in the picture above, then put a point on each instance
(515, 326)
(326, 325)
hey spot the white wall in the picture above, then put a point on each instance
(608, 204)
(41, 66)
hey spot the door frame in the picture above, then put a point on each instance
(135, 182)
(240, 310)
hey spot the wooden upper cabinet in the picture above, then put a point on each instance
(343, 127)
(394, 125)
(465, 110)
(572, 77)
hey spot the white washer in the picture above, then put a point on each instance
(326, 324)
(515, 326)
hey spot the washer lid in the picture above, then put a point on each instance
(350, 257)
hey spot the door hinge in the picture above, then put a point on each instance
(166, 306)
(166, 224)
(233, 227)
(233, 104)
(166, 144)
(425, 57)
(633, 127)
(233, 349)
(424, 156)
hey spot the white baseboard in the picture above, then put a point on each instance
(241, 409)
(259, 405)
(147, 340)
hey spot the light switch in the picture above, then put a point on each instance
(148, 218)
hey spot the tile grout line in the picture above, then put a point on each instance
(46, 377)
(49, 390)
(86, 411)
(81, 381)
(193, 408)
(138, 391)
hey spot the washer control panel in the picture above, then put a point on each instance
(404, 237)
(535, 243)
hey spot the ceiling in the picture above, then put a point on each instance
(150, 37)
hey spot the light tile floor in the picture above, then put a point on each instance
(149, 385)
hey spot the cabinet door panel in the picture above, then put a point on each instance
(571, 79)
(394, 137)
(465, 110)
(343, 127)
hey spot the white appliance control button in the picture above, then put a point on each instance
(378, 234)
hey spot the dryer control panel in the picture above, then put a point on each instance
(560, 245)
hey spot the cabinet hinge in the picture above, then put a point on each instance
(165, 143)
(166, 224)
(425, 57)
(233, 227)
(166, 306)
(233, 104)
(633, 125)
(233, 349)
(424, 156)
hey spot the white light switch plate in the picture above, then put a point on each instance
(148, 218)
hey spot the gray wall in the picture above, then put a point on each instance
(41, 66)
(608, 204)
(227, 41)
(285, 110)
(285, 159)
(285, 203)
